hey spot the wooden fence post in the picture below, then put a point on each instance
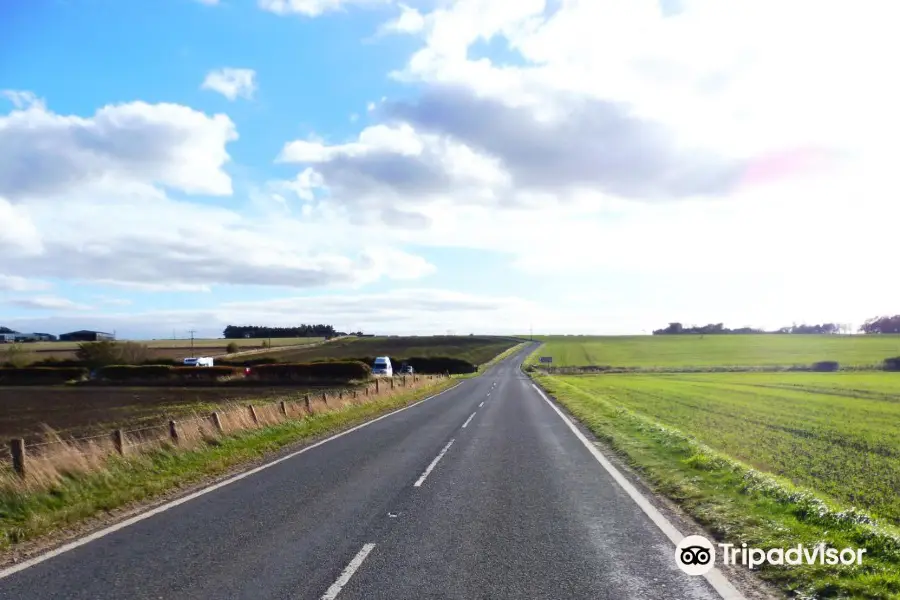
(325, 398)
(283, 408)
(119, 442)
(376, 386)
(340, 394)
(306, 401)
(17, 449)
(392, 383)
(355, 394)
(253, 414)
(367, 391)
(173, 431)
(216, 421)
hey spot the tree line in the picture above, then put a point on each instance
(256, 331)
(719, 328)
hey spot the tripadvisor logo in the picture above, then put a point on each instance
(696, 555)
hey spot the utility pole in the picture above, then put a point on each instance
(531, 332)
(192, 332)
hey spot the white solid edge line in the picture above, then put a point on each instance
(433, 464)
(164, 507)
(472, 416)
(715, 577)
(347, 573)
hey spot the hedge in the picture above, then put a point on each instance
(144, 372)
(892, 364)
(428, 364)
(826, 365)
(321, 371)
(41, 375)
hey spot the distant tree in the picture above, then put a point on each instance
(255, 331)
(99, 354)
(232, 347)
(877, 325)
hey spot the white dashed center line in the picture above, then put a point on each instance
(348, 572)
(433, 464)
(482, 404)
(472, 416)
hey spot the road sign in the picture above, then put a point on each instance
(546, 359)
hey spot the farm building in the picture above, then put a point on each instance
(8, 338)
(35, 337)
(85, 336)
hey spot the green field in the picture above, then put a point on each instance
(836, 433)
(718, 350)
(477, 349)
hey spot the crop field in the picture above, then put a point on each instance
(475, 349)
(718, 350)
(835, 433)
(161, 348)
(88, 410)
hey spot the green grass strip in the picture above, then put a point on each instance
(738, 504)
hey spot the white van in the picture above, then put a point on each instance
(382, 367)
(206, 361)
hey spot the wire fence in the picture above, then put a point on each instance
(237, 416)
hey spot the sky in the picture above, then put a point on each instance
(419, 167)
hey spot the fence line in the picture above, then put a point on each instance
(295, 404)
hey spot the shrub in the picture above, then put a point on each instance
(826, 365)
(132, 353)
(15, 355)
(41, 375)
(232, 347)
(892, 364)
(310, 372)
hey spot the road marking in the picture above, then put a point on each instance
(489, 394)
(433, 464)
(164, 507)
(715, 578)
(472, 416)
(336, 587)
(482, 404)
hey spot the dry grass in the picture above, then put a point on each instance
(54, 459)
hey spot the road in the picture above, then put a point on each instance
(481, 492)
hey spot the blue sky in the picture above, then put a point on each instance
(474, 165)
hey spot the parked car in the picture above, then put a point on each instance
(206, 361)
(382, 367)
(407, 370)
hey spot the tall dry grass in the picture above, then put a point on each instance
(55, 458)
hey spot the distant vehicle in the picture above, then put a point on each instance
(382, 367)
(205, 361)
(407, 370)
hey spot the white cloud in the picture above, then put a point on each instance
(231, 83)
(44, 153)
(23, 98)
(47, 303)
(209, 2)
(14, 283)
(409, 21)
(314, 8)
(402, 311)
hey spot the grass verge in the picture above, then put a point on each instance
(78, 495)
(738, 504)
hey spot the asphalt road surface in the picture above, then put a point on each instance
(481, 492)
